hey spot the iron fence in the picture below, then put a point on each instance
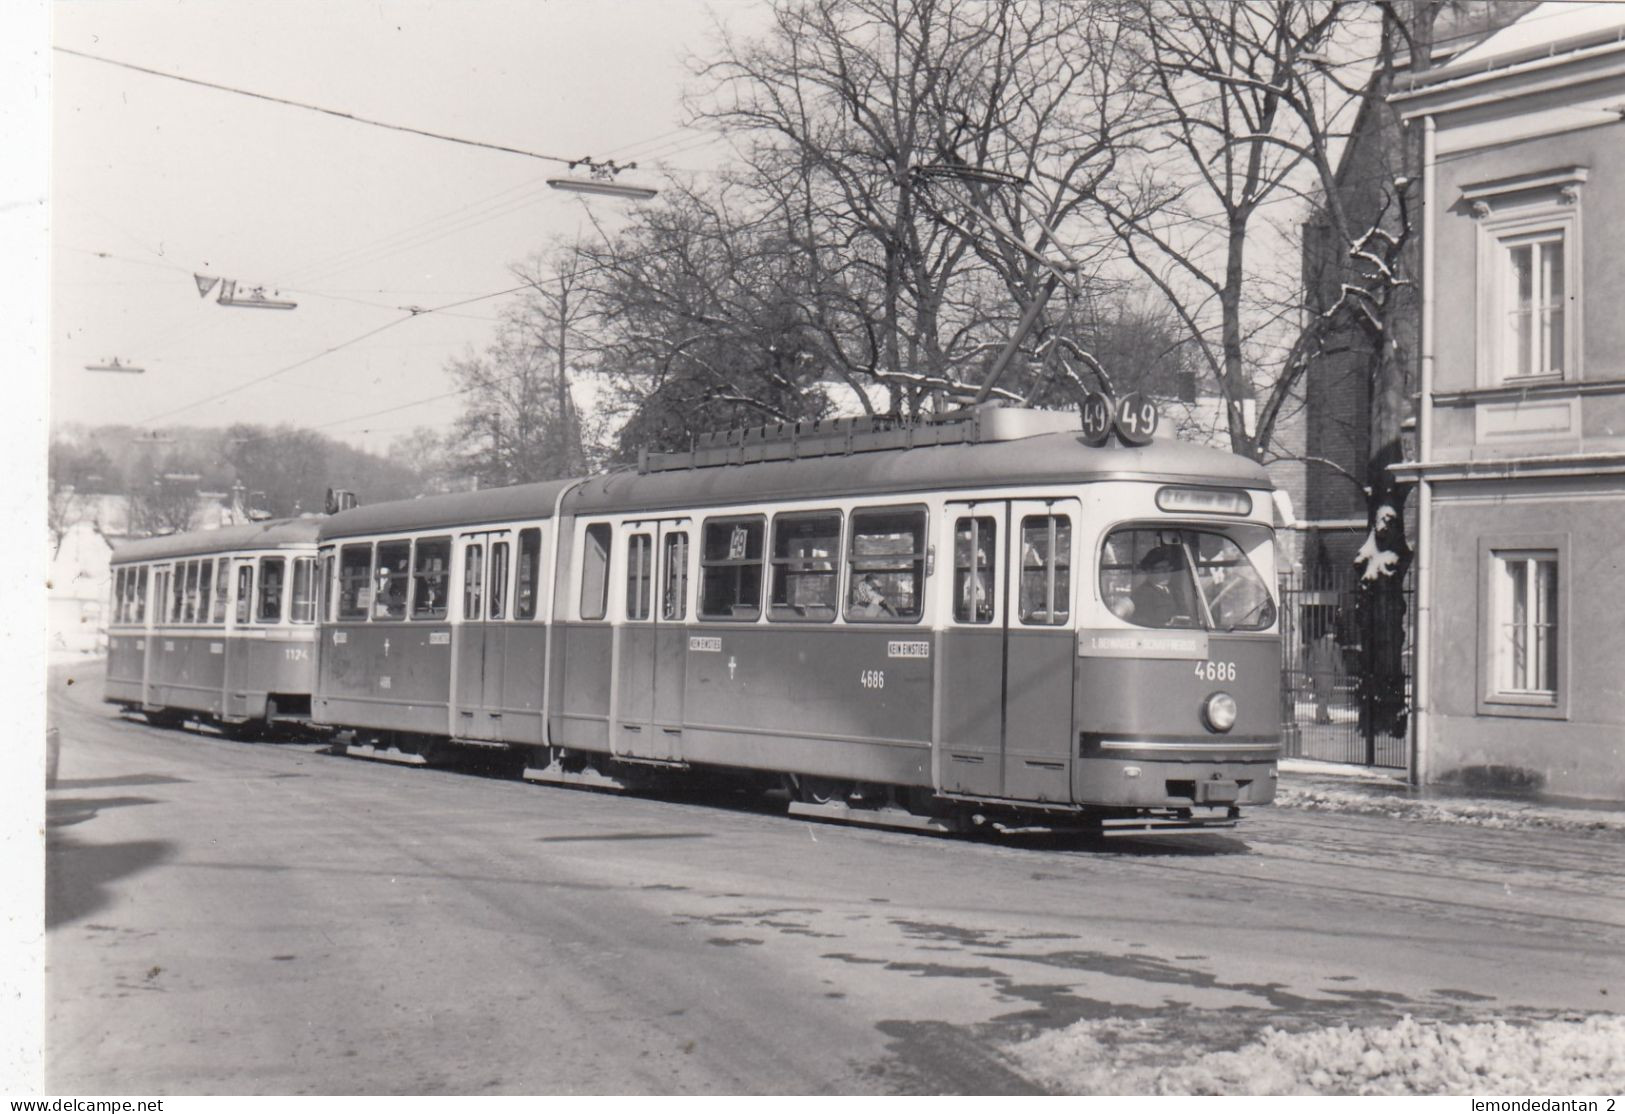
(1346, 671)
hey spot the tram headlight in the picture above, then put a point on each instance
(1219, 712)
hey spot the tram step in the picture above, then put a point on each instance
(585, 779)
(385, 754)
(874, 817)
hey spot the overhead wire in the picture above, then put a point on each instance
(314, 107)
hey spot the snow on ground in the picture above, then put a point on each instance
(1580, 1056)
(1378, 800)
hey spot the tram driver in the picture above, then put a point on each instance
(1157, 600)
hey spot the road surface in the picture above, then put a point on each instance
(226, 917)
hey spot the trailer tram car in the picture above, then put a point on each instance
(927, 626)
(216, 625)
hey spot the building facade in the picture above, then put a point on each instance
(1521, 450)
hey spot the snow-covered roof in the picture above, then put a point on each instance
(1551, 28)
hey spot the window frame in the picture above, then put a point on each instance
(528, 608)
(361, 610)
(1493, 551)
(1546, 219)
(281, 589)
(417, 577)
(781, 567)
(638, 581)
(737, 613)
(959, 613)
(919, 562)
(1060, 557)
(599, 611)
(674, 603)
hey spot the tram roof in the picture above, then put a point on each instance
(273, 533)
(1046, 459)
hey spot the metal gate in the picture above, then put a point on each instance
(1345, 686)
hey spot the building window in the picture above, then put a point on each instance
(1525, 624)
(1528, 276)
(1532, 282)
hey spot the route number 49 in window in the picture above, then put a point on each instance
(1216, 671)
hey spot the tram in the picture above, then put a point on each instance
(216, 625)
(931, 626)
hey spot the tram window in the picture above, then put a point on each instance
(118, 594)
(887, 557)
(975, 568)
(731, 569)
(1046, 569)
(302, 601)
(355, 581)
(189, 608)
(205, 591)
(391, 579)
(141, 594)
(326, 602)
(269, 609)
(245, 591)
(473, 582)
(222, 590)
(674, 577)
(529, 573)
(431, 569)
(1183, 578)
(595, 571)
(639, 576)
(806, 561)
(499, 580)
(177, 593)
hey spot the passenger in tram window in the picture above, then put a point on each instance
(870, 597)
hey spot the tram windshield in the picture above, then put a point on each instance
(1200, 579)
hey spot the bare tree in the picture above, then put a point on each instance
(860, 119)
(520, 422)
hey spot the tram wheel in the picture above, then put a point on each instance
(165, 717)
(823, 790)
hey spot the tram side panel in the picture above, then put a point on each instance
(385, 676)
(849, 702)
(1038, 716)
(261, 669)
(126, 665)
(583, 700)
(189, 671)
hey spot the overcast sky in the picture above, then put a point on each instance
(155, 180)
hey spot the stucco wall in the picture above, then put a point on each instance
(1583, 753)
(1601, 150)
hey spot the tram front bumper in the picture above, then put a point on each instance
(1144, 780)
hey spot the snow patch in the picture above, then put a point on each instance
(1511, 815)
(1582, 1056)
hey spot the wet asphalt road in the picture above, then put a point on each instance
(268, 918)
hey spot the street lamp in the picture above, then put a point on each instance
(603, 181)
(115, 366)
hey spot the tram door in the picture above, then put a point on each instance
(651, 647)
(1007, 682)
(486, 561)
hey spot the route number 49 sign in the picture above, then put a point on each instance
(1135, 418)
